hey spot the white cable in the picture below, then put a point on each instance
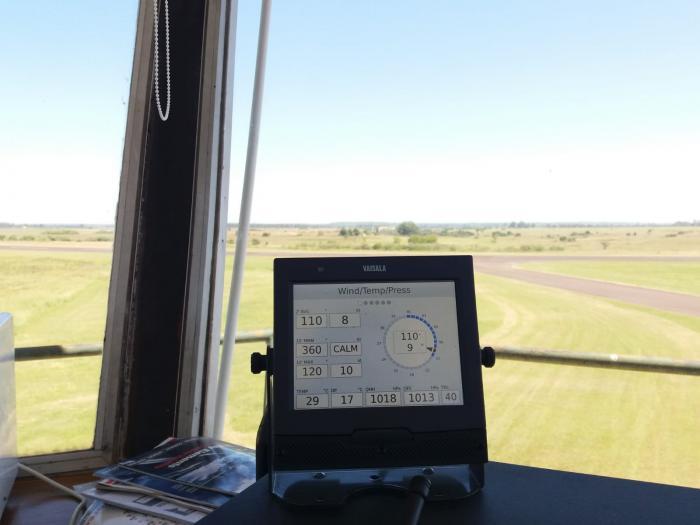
(51, 482)
(163, 116)
(77, 513)
(243, 226)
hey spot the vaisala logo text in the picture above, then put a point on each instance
(374, 267)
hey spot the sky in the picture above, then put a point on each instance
(432, 111)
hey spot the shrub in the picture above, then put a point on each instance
(407, 228)
(349, 232)
(422, 239)
(532, 248)
(62, 232)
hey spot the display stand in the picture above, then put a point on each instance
(515, 495)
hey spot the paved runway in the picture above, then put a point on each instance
(505, 266)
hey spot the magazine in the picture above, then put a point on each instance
(114, 485)
(199, 470)
(200, 462)
(98, 513)
(126, 498)
(163, 486)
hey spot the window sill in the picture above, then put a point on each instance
(32, 501)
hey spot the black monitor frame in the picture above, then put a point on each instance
(459, 431)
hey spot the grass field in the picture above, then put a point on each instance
(673, 276)
(55, 298)
(627, 424)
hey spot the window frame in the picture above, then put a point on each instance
(211, 34)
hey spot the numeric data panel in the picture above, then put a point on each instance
(376, 345)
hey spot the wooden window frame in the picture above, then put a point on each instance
(185, 161)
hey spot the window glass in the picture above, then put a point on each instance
(557, 143)
(66, 74)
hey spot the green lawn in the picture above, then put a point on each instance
(525, 315)
(675, 276)
(55, 298)
(635, 425)
(628, 424)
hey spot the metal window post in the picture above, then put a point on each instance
(243, 225)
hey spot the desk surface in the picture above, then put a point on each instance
(513, 495)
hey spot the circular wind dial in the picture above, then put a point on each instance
(410, 341)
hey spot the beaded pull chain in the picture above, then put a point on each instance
(163, 115)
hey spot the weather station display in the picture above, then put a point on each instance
(365, 345)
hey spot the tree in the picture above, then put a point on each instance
(407, 228)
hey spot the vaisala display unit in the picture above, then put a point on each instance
(375, 379)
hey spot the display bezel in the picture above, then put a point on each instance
(351, 270)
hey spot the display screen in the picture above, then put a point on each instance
(366, 345)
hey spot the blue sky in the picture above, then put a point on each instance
(434, 111)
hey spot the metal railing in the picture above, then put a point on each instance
(624, 362)
(32, 353)
(565, 357)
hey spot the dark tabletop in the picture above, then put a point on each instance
(513, 494)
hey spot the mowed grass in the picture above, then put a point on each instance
(674, 276)
(634, 425)
(512, 313)
(55, 298)
(610, 422)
